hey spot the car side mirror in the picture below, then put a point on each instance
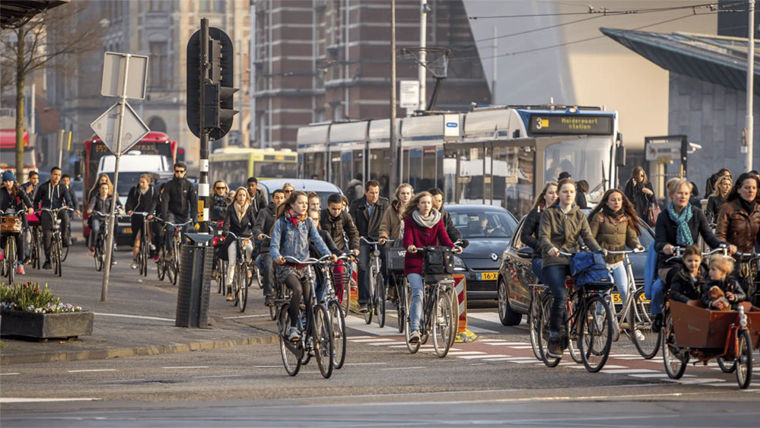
(526, 252)
(464, 243)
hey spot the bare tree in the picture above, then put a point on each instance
(40, 43)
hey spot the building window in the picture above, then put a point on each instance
(159, 63)
(157, 124)
(158, 5)
(211, 6)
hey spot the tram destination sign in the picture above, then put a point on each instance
(570, 124)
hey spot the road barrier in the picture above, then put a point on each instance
(464, 335)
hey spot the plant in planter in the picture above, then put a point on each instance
(30, 311)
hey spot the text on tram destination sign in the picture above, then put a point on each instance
(571, 124)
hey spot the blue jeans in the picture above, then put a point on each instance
(554, 276)
(415, 309)
(536, 265)
(658, 297)
(264, 264)
(620, 276)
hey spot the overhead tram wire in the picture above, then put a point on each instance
(608, 12)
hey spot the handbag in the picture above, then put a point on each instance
(438, 261)
(652, 213)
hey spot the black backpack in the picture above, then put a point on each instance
(438, 261)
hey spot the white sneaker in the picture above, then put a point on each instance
(640, 336)
(133, 265)
(293, 334)
(414, 337)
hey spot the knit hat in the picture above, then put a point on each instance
(8, 176)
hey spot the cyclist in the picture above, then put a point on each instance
(142, 198)
(258, 201)
(288, 189)
(31, 186)
(315, 203)
(680, 224)
(314, 252)
(238, 220)
(391, 225)
(292, 232)
(219, 202)
(66, 180)
(718, 198)
(367, 213)
(340, 225)
(615, 225)
(454, 233)
(94, 190)
(52, 194)
(423, 227)
(738, 221)
(263, 226)
(12, 197)
(179, 201)
(102, 202)
(560, 228)
(529, 234)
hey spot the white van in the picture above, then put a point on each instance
(135, 161)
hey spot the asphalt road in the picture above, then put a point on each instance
(493, 381)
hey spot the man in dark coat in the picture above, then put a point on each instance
(262, 227)
(52, 194)
(367, 213)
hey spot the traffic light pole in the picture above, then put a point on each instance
(203, 187)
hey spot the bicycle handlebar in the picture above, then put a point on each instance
(142, 213)
(240, 237)
(565, 253)
(173, 224)
(750, 255)
(368, 241)
(309, 260)
(619, 252)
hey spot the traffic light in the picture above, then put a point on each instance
(216, 81)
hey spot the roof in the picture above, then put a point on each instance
(715, 59)
(303, 185)
(16, 12)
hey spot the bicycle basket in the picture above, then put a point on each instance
(589, 269)
(10, 224)
(396, 256)
(438, 261)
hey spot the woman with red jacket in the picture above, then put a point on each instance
(423, 227)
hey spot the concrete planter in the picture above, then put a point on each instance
(45, 326)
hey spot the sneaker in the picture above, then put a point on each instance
(133, 265)
(554, 346)
(268, 301)
(46, 265)
(152, 247)
(414, 337)
(293, 334)
(20, 269)
(657, 323)
(229, 296)
(639, 336)
(364, 309)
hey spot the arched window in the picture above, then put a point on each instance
(157, 124)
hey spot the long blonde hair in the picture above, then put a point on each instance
(716, 191)
(540, 201)
(240, 212)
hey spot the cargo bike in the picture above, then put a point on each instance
(699, 334)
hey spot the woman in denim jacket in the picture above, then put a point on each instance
(290, 237)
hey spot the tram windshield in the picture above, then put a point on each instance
(585, 159)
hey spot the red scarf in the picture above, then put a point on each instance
(293, 218)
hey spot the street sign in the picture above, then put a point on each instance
(114, 70)
(107, 125)
(409, 94)
(451, 128)
(655, 151)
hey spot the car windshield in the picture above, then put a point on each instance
(127, 180)
(483, 223)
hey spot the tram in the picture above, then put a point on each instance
(492, 155)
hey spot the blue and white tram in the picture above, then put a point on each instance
(502, 156)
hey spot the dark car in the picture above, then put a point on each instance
(488, 230)
(515, 275)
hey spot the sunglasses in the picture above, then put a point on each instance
(181, 171)
(220, 188)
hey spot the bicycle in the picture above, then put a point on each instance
(217, 230)
(100, 241)
(395, 259)
(634, 320)
(278, 292)
(747, 266)
(589, 317)
(144, 253)
(335, 312)
(316, 332)
(241, 281)
(56, 241)
(437, 318)
(9, 230)
(168, 263)
(376, 286)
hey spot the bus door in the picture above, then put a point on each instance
(468, 188)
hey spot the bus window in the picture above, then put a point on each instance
(584, 159)
(470, 179)
(380, 168)
(513, 179)
(314, 164)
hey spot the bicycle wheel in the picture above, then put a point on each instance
(743, 361)
(595, 336)
(161, 265)
(543, 332)
(143, 256)
(400, 304)
(289, 351)
(443, 321)
(243, 288)
(726, 366)
(64, 253)
(380, 301)
(259, 281)
(57, 257)
(573, 347)
(412, 347)
(647, 342)
(534, 325)
(372, 297)
(221, 276)
(674, 358)
(323, 341)
(36, 259)
(338, 326)
(10, 258)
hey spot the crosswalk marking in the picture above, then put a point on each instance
(475, 357)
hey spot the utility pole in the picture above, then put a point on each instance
(494, 65)
(421, 71)
(395, 161)
(252, 70)
(240, 94)
(749, 122)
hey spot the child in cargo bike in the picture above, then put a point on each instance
(686, 283)
(721, 292)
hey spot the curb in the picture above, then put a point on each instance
(136, 351)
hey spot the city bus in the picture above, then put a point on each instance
(235, 164)
(497, 155)
(8, 152)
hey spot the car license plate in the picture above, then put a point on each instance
(489, 276)
(127, 230)
(616, 298)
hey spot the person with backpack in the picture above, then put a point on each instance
(560, 229)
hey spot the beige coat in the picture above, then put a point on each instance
(613, 234)
(562, 231)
